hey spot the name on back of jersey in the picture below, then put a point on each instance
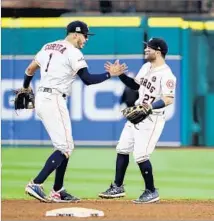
(56, 47)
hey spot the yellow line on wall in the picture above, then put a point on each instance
(177, 22)
(63, 22)
(165, 22)
(131, 21)
(196, 25)
(209, 25)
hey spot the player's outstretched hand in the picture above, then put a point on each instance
(115, 69)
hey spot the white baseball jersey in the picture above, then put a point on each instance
(155, 83)
(59, 62)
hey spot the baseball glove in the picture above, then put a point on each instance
(137, 113)
(24, 99)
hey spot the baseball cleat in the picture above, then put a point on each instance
(36, 191)
(113, 192)
(62, 196)
(148, 197)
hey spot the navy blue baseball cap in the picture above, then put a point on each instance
(158, 44)
(78, 27)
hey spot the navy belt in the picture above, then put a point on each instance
(158, 113)
(49, 90)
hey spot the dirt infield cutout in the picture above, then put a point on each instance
(113, 210)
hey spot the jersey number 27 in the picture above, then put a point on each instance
(147, 98)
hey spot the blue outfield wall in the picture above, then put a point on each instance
(96, 111)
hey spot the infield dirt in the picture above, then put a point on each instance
(113, 210)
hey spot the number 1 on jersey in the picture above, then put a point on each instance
(50, 56)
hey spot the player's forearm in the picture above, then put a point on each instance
(129, 82)
(168, 100)
(89, 79)
(27, 80)
(29, 73)
(31, 69)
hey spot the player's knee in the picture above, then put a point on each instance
(122, 151)
(66, 149)
(67, 153)
(70, 149)
(141, 159)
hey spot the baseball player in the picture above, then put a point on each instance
(156, 85)
(60, 62)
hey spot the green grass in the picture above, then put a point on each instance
(178, 173)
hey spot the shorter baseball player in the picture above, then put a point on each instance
(60, 63)
(155, 83)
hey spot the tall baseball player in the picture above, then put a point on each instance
(156, 85)
(60, 62)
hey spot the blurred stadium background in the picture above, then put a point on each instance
(120, 26)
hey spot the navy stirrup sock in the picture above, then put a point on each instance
(59, 177)
(51, 164)
(146, 171)
(121, 166)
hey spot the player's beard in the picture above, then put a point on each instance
(150, 57)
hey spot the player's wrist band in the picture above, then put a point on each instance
(158, 104)
(27, 80)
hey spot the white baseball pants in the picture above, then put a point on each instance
(52, 109)
(141, 138)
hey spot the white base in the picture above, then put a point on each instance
(74, 212)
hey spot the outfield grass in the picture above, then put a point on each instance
(179, 173)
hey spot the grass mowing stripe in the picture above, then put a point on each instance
(178, 173)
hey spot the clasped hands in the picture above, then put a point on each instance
(115, 69)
